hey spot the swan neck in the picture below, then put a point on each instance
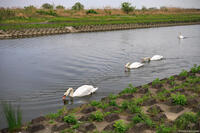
(71, 92)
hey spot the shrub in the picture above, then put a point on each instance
(95, 103)
(91, 11)
(77, 6)
(130, 89)
(142, 118)
(195, 69)
(6, 13)
(179, 99)
(60, 7)
(30, 8)
(71, 119)
(182, 121)
(113, 103)
(112, 97)
(13, 117)
(56, 115)
(163, 8)
(103, 105)
(126, 7)
(144, 8)
(47, 6)
(134, 108)
(156, 82)
(163, 129)
(50, 12)
(97, 116)
(120, 126)
(183, 73)
(124, 105)
(171, 78)
(137, 119)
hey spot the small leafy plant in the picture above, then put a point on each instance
(120, 126)
(179, 99)
(71, 119)
(183, 120)
(97, 116)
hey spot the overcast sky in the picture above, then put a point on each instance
(104, 3)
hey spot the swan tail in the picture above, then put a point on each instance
(94, 89)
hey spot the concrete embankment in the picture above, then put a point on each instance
(24, 33)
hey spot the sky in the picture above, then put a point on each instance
(104, 3)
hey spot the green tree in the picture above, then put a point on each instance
(126, 7)
(60, 7)
(47, 6)
(77, 6)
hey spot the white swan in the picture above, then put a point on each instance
(83, 90)
(156, 57)
(181, 36)
(146, 59)
(133, 65)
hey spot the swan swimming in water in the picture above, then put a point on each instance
(83, 90)
(156, 57)
(133, 65)
(153, 58)
(181, 36)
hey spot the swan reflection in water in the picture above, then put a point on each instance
(68, 101)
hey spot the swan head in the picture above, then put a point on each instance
(146, 59)
(127, 65)
(68, 92)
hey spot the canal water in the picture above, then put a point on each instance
(35, 72)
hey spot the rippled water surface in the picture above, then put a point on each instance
(35, 72)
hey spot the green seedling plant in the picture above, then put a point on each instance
(179, 99)
(71, 119)
(97, 116)
(120, 126)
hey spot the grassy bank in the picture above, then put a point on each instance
(164, 106)
(39, 18)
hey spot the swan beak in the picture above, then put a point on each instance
(64, 97)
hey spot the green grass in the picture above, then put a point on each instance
(96, 20)
(13, 116)
(60, 112)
